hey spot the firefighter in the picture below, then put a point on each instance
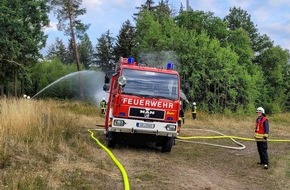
(193, 110)
(181, 113)
(261, 135)
(103, 105)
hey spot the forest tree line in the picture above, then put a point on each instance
(225, 64)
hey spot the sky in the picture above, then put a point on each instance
(271, 17)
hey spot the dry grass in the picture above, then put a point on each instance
(41, 141)
(45, 145)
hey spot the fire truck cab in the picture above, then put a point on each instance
(143, 100)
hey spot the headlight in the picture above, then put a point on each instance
(118, 122)
(170, 127)
(122, 80)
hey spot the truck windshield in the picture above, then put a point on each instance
(152, 84)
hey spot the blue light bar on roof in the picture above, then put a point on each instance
(170, 66)
(131, 60)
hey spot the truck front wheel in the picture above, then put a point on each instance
(111, 141)
(167, 144)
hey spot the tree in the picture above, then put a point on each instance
(238, 18)
(163, 11)
(147, 6)
(21, 37)
(54, 70)
(105, 52)
(125, 41)
(58, 50)
(250, 87)
(148, 33)
(67, 12)
(274, 63)
(86, 51)
(203, 21)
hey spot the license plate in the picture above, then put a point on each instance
(146, 125)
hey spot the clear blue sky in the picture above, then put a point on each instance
(272, 17)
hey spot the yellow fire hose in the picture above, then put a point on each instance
(231, 137)
(183, 139)
(119, 165)
(222, 136)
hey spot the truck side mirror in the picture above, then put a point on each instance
(107, 79)
(106, 87)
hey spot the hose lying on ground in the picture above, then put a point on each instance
(119, 165)
(222, 136)
(186, 139)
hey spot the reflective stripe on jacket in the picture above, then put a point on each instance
(262, 128)
(103, 104)
(193, 109)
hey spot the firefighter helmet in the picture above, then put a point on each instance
(260, 110)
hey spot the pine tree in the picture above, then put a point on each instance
(239, 18)
(125, 41)
(58, 50)
(86, 51)
(105, 52)
(67, 12)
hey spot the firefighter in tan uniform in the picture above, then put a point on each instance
(193, 110)
(103, 105)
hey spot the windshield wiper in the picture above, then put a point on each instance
(150, 96)
(139, 95)
(165, 97)
(147, 96)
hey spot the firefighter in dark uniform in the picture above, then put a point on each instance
(261, 135)
(193, 110)
(181, 113)
(103, 105)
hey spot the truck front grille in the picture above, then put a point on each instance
(146, 113)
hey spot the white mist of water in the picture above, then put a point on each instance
(92, 83)
(160, 59)
(55, 82)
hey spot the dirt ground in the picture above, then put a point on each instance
(196, 166)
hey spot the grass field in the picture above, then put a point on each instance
(46, 145)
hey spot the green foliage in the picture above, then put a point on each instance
(202, 21)
(86, 51)
(21, 28)
(226, 63)
(125, 41)
(105, 52)
(21, 38)
(239, 18)
(58, 50)
(274, 63)
(54, 70)
(68, 13)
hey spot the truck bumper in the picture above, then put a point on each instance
(122, 125)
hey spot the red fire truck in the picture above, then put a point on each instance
(143, 101)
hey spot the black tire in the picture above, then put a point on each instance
(111, 141)
(167, 145)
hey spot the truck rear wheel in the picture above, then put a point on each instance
(167, 144)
